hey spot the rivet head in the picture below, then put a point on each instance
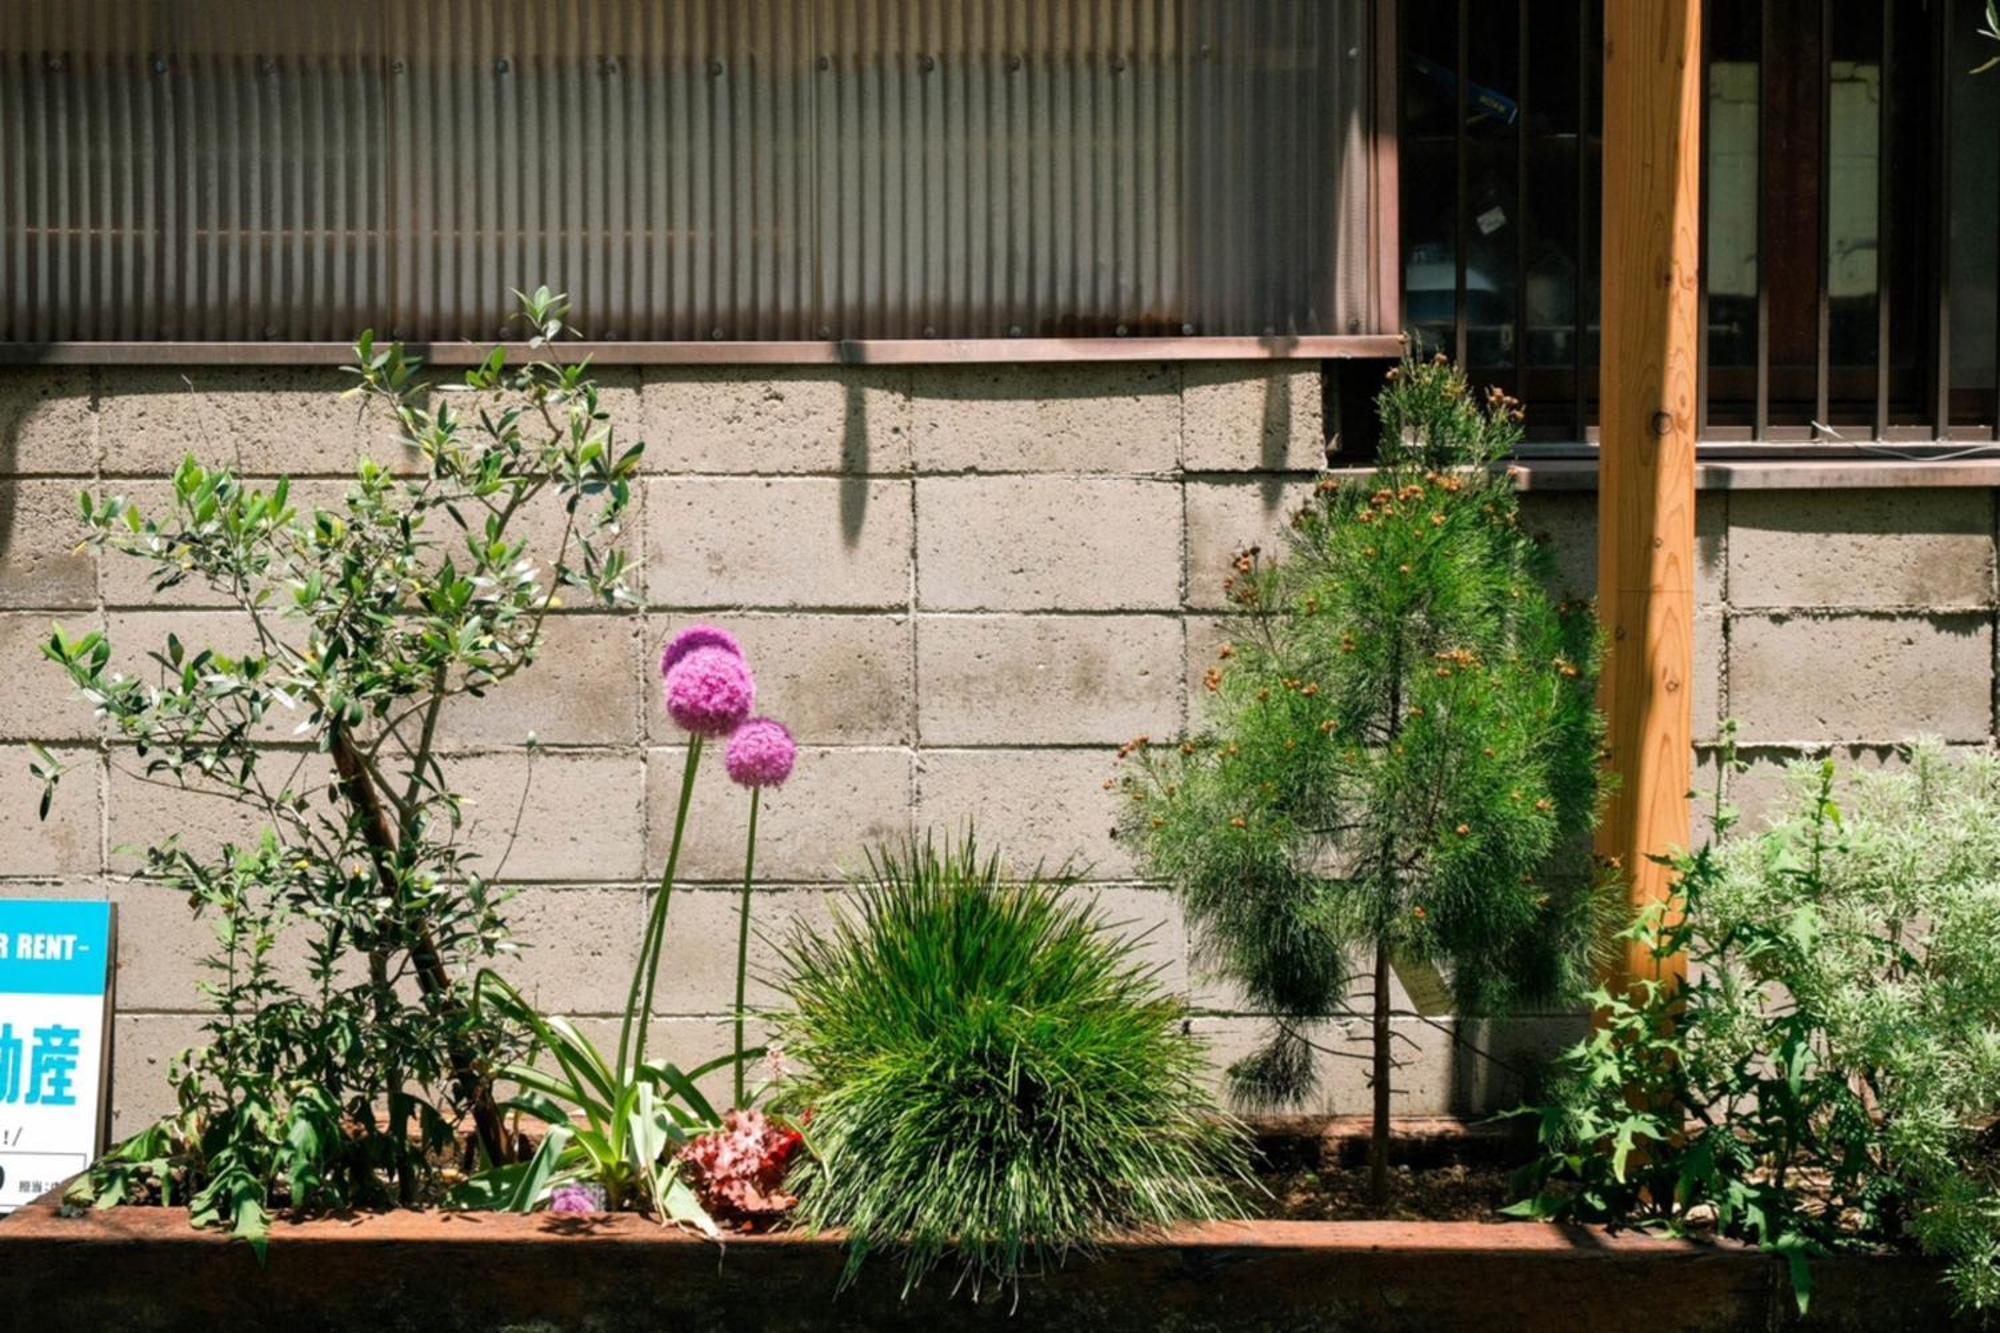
(714, 68)
(1663, 422)
(159, 66)
(825, 62)
(1188, 329)
(926, 63)
(501, 66)
(1013, 62)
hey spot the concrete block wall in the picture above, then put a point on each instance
(962, 587)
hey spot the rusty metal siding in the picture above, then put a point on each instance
(252, 170)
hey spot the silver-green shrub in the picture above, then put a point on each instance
(1830, 1073)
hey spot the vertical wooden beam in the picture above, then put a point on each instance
(1648, 414)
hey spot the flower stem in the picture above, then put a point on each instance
(743, 937)
(648, 969)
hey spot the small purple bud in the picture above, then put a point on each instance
(698, 636)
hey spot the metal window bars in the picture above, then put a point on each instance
(1849, 245)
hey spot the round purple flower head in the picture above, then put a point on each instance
(761, 754)
(698, 636)
(709, 691)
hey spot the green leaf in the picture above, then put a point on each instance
(534, 1182)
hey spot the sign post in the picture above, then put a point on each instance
(55, 1021)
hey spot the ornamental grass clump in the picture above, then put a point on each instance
(994, 1082)
(1397, 768)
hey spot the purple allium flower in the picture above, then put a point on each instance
(709, 691)
(576, 1199)
(761, 754)
(698, 636)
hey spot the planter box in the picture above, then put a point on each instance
(141, 1269)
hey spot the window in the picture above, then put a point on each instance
(1841, 301)
(294, 170)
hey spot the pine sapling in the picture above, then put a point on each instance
(1398, 759)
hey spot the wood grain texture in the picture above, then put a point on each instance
(1652, 196)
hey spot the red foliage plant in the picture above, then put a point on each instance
(738, 1172)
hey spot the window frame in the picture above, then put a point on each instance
(1386, 343)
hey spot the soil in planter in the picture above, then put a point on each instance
(1442, 1170)
(1439, 1192)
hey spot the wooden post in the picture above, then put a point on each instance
(1645, 542)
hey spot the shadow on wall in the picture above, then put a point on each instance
(853, 463)
(1277, 438)
(16, 407)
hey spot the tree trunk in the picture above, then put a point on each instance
(432, 978)
(1378, 1139)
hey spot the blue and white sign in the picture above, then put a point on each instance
(55, 1006)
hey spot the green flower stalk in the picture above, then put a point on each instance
(761, 754)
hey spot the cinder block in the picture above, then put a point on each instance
(1806, 679)
(1566, 524)
(143, 1050)
(688, 1043)
(1244, 416)
(1889, 548)
(71, 840)
(136, 635)
(146, 809)
(544, 522)
(831, 679)
(759, 542)
(698, 965)
(161, 943)
(1052, 680)
(576, 947)
(261, 422)
(41, 531)
(566, 817)
(837, 804)
(1059, 543)
(43, 704)
(1147, 922)
(1440, 1076)
(131, 580)
(1205, 637)
(582, 688)
(1028, 805)
(1226, 517)
(1709, 652)
(1116, 417)
(851, 419)
(47, 423)
(1777, 779)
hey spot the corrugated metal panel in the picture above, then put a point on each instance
(706, 169)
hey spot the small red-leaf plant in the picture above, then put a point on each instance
(738, 1172)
